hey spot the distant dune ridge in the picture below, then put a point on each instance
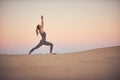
(96, 64)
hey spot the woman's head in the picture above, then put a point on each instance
(38, 27)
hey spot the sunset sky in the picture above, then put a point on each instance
(72, 26)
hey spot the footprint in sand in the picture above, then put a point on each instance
(68, 70)
(58, 57)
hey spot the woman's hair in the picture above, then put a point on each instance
(37, 28)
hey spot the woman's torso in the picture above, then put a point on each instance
(43, 35)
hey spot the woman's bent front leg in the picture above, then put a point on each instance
(49, 44)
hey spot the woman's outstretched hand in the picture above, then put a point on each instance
(41, 16)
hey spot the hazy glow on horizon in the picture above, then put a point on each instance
(71, 25)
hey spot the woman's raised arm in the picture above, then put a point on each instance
(42, 22)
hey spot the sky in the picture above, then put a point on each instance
(72, 26)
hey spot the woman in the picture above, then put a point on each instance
(39, 29)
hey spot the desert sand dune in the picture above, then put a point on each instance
(96, 64)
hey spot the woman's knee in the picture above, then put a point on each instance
(51, 44)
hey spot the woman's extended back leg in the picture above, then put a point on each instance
(40, 44)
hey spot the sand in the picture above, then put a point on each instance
(96, 64)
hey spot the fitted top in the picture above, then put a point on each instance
(43, 35)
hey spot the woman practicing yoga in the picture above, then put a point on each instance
(39, 29)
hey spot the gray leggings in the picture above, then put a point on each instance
(43, 42)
